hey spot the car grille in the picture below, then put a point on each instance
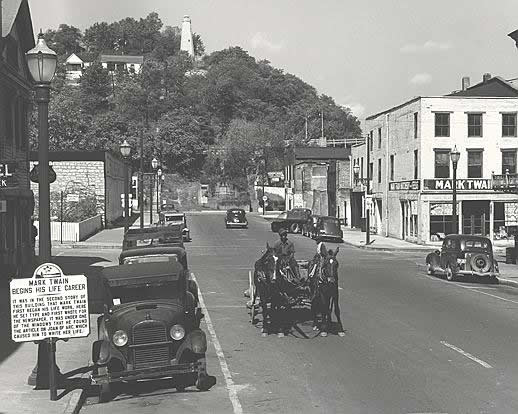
(149, 333)
(152, 356)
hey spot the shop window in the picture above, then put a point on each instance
(442, 163)
(509, 125)
(441, 222)
(509, 162)
(392, 167)
(442, 124)
(474, 125)
(475, 164)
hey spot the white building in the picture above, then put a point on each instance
(131, 64)
(74, 67)
(411, 171)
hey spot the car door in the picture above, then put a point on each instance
(444, 253)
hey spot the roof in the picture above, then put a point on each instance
(392, 109)
(324, 153)
(154, 250)
(9, 12)
(141, 273)
(121, 59)
(73, 59)
(71, 155)
(466, 236)
(496, 87)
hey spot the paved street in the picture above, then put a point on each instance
(414, 343)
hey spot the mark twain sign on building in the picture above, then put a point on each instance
(470, 184)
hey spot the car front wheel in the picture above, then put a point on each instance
(450, 274)
(429, 269)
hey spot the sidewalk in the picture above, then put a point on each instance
(508, 272)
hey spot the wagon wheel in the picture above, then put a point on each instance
(294, 228)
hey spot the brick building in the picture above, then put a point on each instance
(319, 178)
(97, 173)
(411, 170)
(16, 198)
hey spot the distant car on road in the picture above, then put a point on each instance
(236, 217)
(174, 217)
(292, 220)
(150, 328)
(462, 254)
(328, 228)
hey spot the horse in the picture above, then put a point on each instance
(265, 281)
(325, 290)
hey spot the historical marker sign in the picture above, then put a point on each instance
(49, 305)
(7, 178)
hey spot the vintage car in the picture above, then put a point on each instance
(150, 328)
(152, 237)
(172, 218)
(463, 255)
(236, 217)
(328, 228)
(292, 220)
(154, 254)
(308, 228)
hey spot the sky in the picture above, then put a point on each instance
(368, 55)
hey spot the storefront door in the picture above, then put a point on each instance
(475, 217)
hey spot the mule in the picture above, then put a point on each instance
(325, 290)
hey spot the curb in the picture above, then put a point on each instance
(387, 249)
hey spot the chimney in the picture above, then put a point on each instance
(465, 83)
(486, 77)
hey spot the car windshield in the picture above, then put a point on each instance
(151, 259)
(175, 217)
(128, 294)
(334, 221)
(481, 244)
(236, 213)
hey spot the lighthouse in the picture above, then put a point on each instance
(186, 43)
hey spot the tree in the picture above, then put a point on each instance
(95, 87)
(100, 37)
(65, 40)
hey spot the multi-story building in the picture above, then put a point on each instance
(410, 169)
(16, 198)
(319, 178)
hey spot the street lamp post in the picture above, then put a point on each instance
(41, 62)
(367, 198)
(159, 177)
(125, 150)
(455, 155)
(154, 165)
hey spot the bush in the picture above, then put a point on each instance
(73, 211)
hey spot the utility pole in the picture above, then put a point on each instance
(141, 180)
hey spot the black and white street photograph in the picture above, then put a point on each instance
(258, 207)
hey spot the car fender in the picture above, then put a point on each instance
(106, 352)
(195, 341)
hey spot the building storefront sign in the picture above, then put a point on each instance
(7, 178)
(471, 184)
(404, 185)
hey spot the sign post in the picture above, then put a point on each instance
(45, 308)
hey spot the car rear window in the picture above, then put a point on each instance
(174, 218)
(151, 259)
(481, 244)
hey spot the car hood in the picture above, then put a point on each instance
(126, 316)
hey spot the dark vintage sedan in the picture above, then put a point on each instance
(236, 217)
(291, 220)
(153, 236)
(150, 329)
(175, 218)
(328, 228)
(463, 255)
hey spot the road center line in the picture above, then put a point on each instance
(231, 387)
(466, 354)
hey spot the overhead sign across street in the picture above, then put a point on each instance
(49, 305)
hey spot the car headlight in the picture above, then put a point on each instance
(120, 338)
(177, 332)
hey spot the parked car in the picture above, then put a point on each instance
(236, 217)
(308, 228)
(172, 218)
(152, 237)
(150, 328)
(463, 255)
(328, 228)
(292, 220)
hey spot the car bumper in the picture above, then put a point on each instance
(233, 224)
(479, 274)
(330, 236)
(149, 373)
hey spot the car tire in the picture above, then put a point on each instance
(294, 227)
(450, 274)
(429, 269)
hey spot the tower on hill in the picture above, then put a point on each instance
(186, 43)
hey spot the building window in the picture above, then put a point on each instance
(416, 165)
(379, 170)
(509, 162)
(475, 163)
(442, 124)
(508, 125)
(392, 168)
(442, 164)
(474, 125)
(415, 124)
(371, 171)
(371, 140)
(361, 168)
(379, 137)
